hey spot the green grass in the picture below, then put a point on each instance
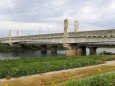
(107, 79)
(29, 66)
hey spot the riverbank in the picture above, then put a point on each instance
(29, 66)
(105, 79)
(52, 78)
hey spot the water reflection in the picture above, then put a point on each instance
(30, 54)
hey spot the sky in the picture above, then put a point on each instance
(48, 15)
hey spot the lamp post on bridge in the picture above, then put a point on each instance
(17, 33)
(10, 38)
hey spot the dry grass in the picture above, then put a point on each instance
(46, 79)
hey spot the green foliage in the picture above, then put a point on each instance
(107, 79)
(105, 53)
(4, 47)
(29, 66)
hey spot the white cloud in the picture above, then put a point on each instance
(23, 25)
(58, 2)
(2, 17)
(87, 10)
(112, 5)
(31, 14)
(6, 4)
(89, 13)
(29, 28)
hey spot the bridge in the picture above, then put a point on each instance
(75, 42)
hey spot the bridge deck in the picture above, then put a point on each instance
(73, 37)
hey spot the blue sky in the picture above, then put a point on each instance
(33, 14)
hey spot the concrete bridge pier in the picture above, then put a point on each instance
(81, 50)
(71, 49)
(74, 50)
(54, 49)
(70, 52)
(43, 49)
(92, 50)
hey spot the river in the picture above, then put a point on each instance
(30, 54)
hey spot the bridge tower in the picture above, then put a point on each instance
(76, 26)
(65, 30)
(72, 49)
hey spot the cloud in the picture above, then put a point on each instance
(5, 4)
(23, 25)
(26, 28)
(29, 14)
(112, 5)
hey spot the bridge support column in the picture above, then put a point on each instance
(54, 49)
(81, 50)
(74, 50)
(43, 49)
(70, 52)
(92, 50)
(71, 49)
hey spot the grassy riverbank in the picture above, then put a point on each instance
(107, 79)
(29, 66)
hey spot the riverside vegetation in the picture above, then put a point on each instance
(29, 66)
(106, 79)
(8, 48)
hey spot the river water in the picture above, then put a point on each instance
(30, 54)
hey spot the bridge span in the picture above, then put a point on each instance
(75, 42)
